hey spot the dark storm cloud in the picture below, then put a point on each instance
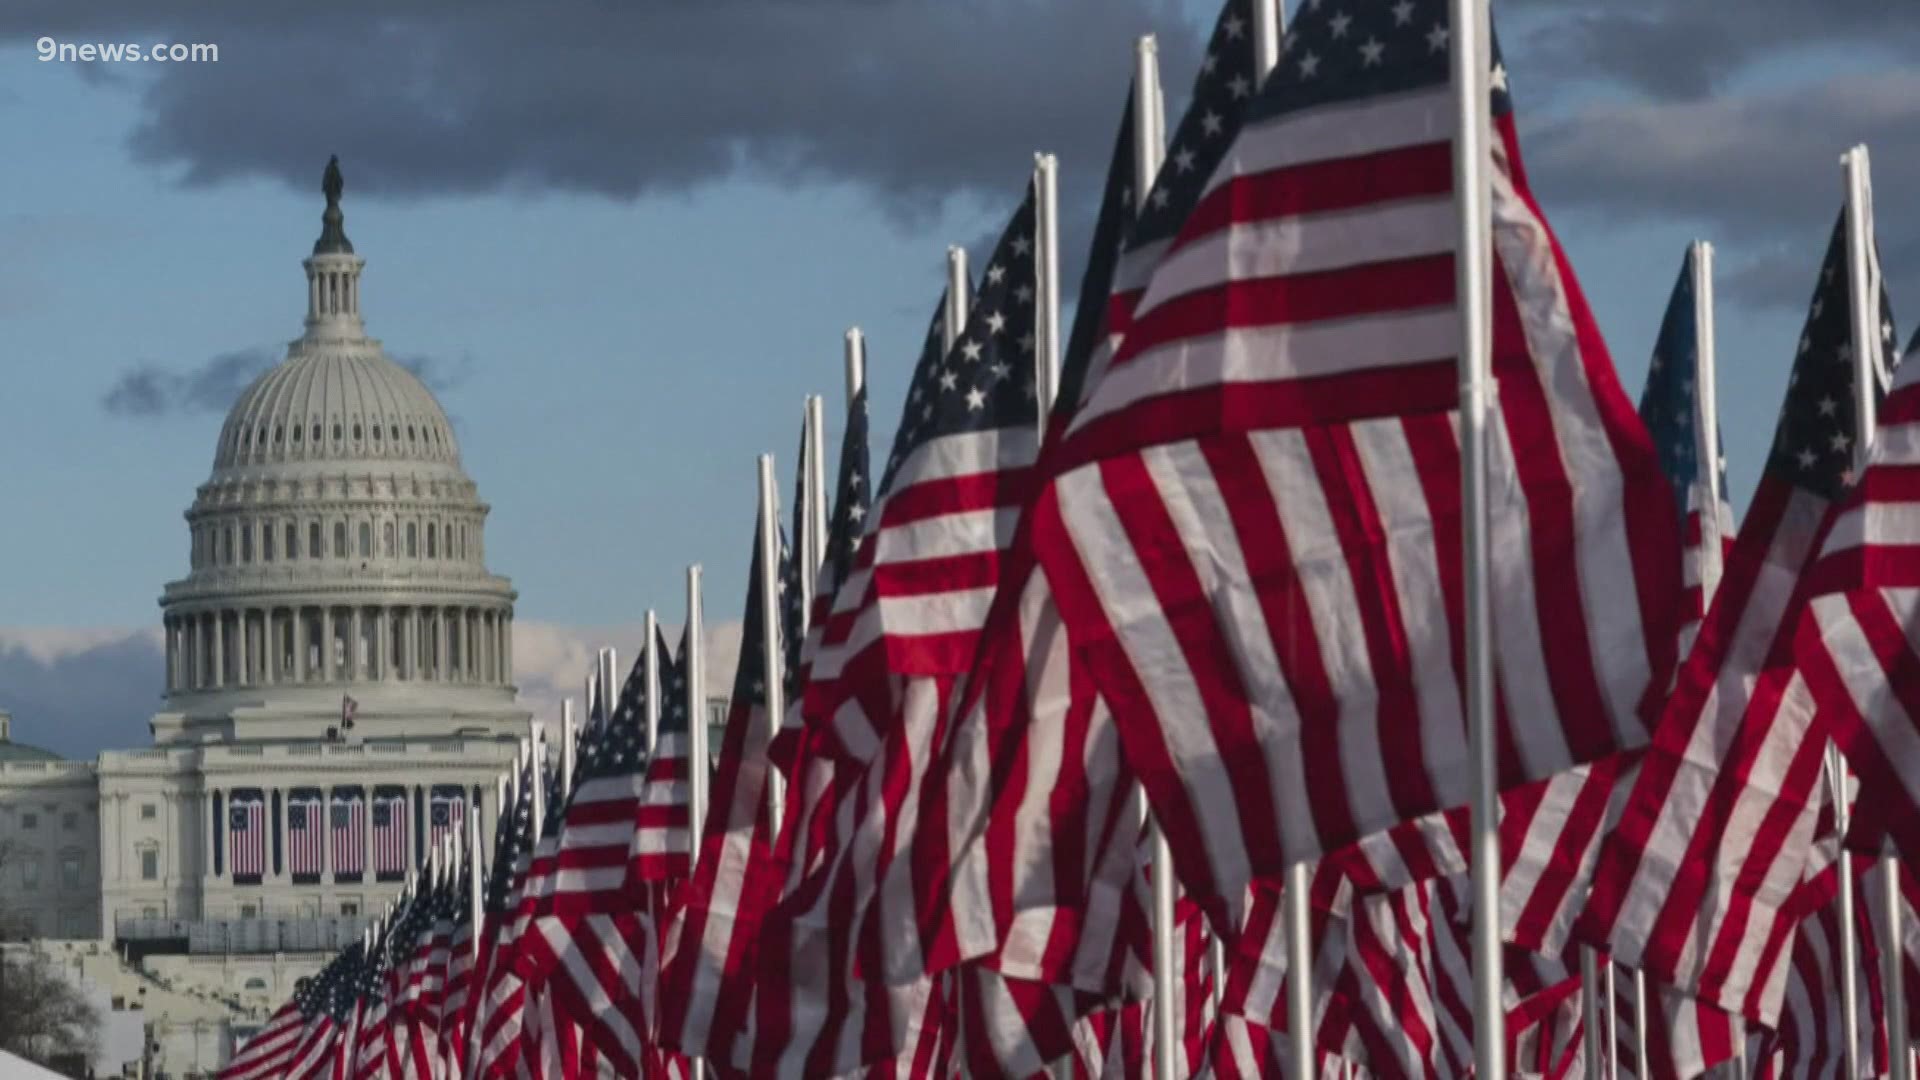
(81, 699)
(1681, 49)
(1759, 172)
(912, 100)
(148, 390)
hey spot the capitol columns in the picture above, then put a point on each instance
(219, 679)
(326, 643)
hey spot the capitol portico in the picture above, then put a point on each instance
(337, 645)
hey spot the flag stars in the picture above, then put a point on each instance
(1827, 405)
(1437, 39)
(976, 399)
(1840, 443)
(1309, 64)
(1026, 342)
(1403, 13)
(1234, 27)
(1337, 25)
(995, 272)
(970, 351)
(1239, 86)
(949, 381)
(1183, 160)
(996, 322)
(1370, 53)
(1500, 78)
(1023, 293)
(1021, 245)
(1210, 124)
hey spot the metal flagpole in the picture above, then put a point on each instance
(650, 657)
(1868, 381)
(1269, 22)
(1471, 31)
(609, 683)
(773, 656)
(1640, 1025)
(1046, 271)
(1892, 960)
(856, 362)
(1613, 1027)
(694, 661)
(1148, 151)
(1589, 1009)
(959, 297)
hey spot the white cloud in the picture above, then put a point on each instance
(80, 690)
(550, 660)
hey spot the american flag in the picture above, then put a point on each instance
(1711, 843)
(1222, 91)
(375, 1054)
(1673, 408)
(247, 835)
(1857, 649)
(706, 979)
(905, 624)
(389, 834)
(272, 1051)
(306, 835)
(1251, 517)
(497, 1000)
(924, 574)
(347, 825)
(661, 840)
(446, 815)
(327, 1003)
(587, 946)
(460, 970)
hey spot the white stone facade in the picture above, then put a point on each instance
(337, 636)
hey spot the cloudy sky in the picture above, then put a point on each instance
(622, 241)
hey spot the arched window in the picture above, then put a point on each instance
(463, 541)
(266, 542)
(279, 434)
(257, 983)
(376, 433)
(293, 540)
(296, 434)
(433, 549)
(336, 431)
(366, 540)
(227, 554)
(314, 550)
(413, 540)
(339, 539)
(246, 543)
(316, 432)
(386, 538)
(356, 433)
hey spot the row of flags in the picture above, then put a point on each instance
(1215, 586)
(335, 832)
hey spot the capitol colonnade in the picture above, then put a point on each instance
(284, 643)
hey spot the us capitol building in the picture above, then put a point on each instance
(337, 652)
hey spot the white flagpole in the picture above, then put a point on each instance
(1269, 22)
(816, 523)
(539, 776)
(856, 354)
(1707, 399)
(1148, 151)
(959, 298)
(609, 682)
(774, 667)
(1613, 1027)
(1046, 267)
(696, 665)
(569, 734)
(1868, 369)
(476, 874)
(1471, 32)
(650, 656)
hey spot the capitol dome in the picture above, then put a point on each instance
(337, 550)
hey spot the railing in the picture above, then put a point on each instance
(294, 933)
